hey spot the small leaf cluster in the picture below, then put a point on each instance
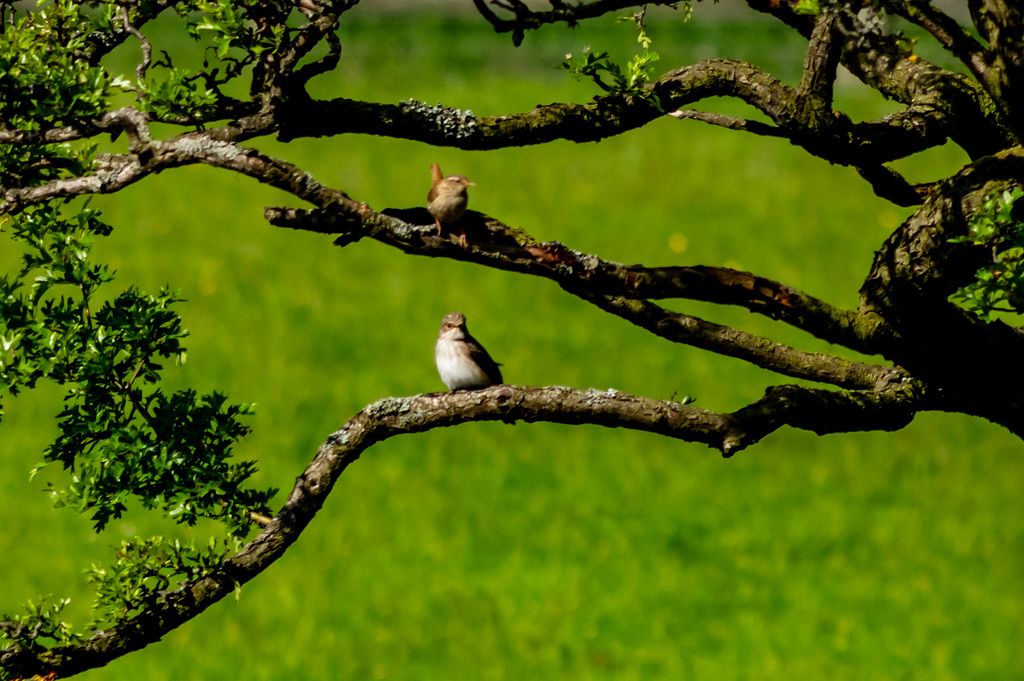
(44, 79)
(40, 623)
(631, 80)
(237, 35)
(47, 80)
(998, 286)
(51, 73)
(38, 329)
(119, 435)
(143, 568)
(179, 94)
(30, 165)
(816, 7)
(232, 27)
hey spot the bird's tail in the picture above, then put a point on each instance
(435, 172)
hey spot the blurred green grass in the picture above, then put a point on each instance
(543, 551)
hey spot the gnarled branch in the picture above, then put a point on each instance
(822, 59)
(497, 245)
(148, 156)
(957, 102)
(803, 117)
(527, 19)
(818, 410)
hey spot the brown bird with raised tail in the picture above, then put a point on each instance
(448, 198)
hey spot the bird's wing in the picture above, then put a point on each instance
(484, 361)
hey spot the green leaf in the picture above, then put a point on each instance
(999, 285)
(807, 7)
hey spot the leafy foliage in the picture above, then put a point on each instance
(231, 27)
(120, 436)
(38, 623)
(50, 74)
(142, 567)
(179, 94)
(999, 285)
(140, 570)
(44, 82)
(630, 80)
(34, 164)
(235, 41)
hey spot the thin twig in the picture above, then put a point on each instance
(147, 48)
(730, 122)
(891, 186)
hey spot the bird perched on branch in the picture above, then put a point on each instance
(448, 198)
(461, 360)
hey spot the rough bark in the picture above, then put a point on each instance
(818, 410)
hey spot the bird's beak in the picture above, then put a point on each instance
(471, 184)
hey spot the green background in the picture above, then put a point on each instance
(540, 551)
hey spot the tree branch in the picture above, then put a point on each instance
(731, 122)
(101, 42)
(950, 35)
(148, 156)
(804, 118)
(759, 351)
(620, 290)
(494, 243)
(1000, 22)
(527, 19)
(817, 410)
(997, 68)
(822, 60)
(877, 59)
(147, 48)
(132, 120)
(891, 186)
(957, 103)
(307, 38)
(497, 245)
(325, 64)
(976, 367)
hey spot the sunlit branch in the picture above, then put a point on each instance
(821, 411)
(730, 122)
(957, 102)
(759, 351)
(147, 48)
(802, 117)
(496, 245)
(149, 156)
(525, 19)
